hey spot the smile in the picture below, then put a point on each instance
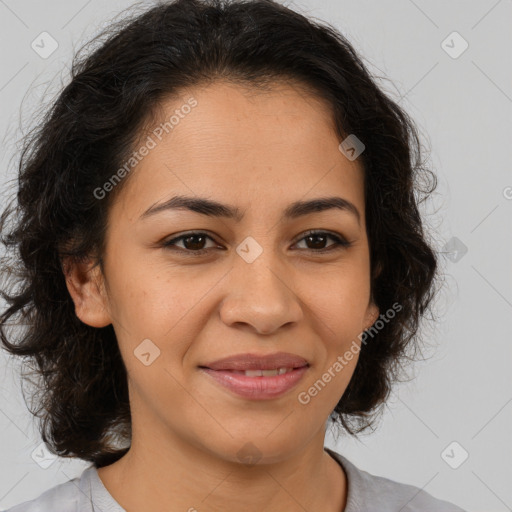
(258, 384)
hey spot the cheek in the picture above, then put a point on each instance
(339, 301)
(160, 305)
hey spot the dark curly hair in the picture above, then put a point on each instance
(94, 125)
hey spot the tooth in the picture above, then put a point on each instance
(264, 373)
(253, 373)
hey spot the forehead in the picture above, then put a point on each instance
(243, 146)
(234, 122)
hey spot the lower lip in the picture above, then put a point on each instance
(257, 388)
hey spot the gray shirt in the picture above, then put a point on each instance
(366, 493)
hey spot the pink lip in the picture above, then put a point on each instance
(257, 388)
(242, 362)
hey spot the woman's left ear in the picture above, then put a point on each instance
(372, 313)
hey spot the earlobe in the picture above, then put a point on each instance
(85, 284)
(372, 314)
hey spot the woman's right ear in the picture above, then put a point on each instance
(86, 285)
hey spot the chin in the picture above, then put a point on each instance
(258, 449)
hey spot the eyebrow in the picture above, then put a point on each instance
(212, 208)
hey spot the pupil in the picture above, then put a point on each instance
(191, 237)
(317, 236)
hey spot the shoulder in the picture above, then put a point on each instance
(372, 492)
(65, 497)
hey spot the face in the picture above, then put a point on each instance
(184, 288)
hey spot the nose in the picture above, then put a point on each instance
(261, 295)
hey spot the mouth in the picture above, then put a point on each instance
(262, 373)
(257, 384)
(259, 362)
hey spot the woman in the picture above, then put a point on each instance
(218, 223)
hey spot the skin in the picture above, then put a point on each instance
(259, 152)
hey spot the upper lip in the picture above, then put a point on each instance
(242, 362)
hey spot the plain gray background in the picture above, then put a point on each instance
(462, 103)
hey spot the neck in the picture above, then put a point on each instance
(176, 476)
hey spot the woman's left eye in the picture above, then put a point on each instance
(191, 241)
(340, 242)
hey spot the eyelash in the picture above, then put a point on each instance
(340, 243)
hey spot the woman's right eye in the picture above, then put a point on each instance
(190, 241)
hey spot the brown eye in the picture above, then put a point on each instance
(192, 243)
(316, 240)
